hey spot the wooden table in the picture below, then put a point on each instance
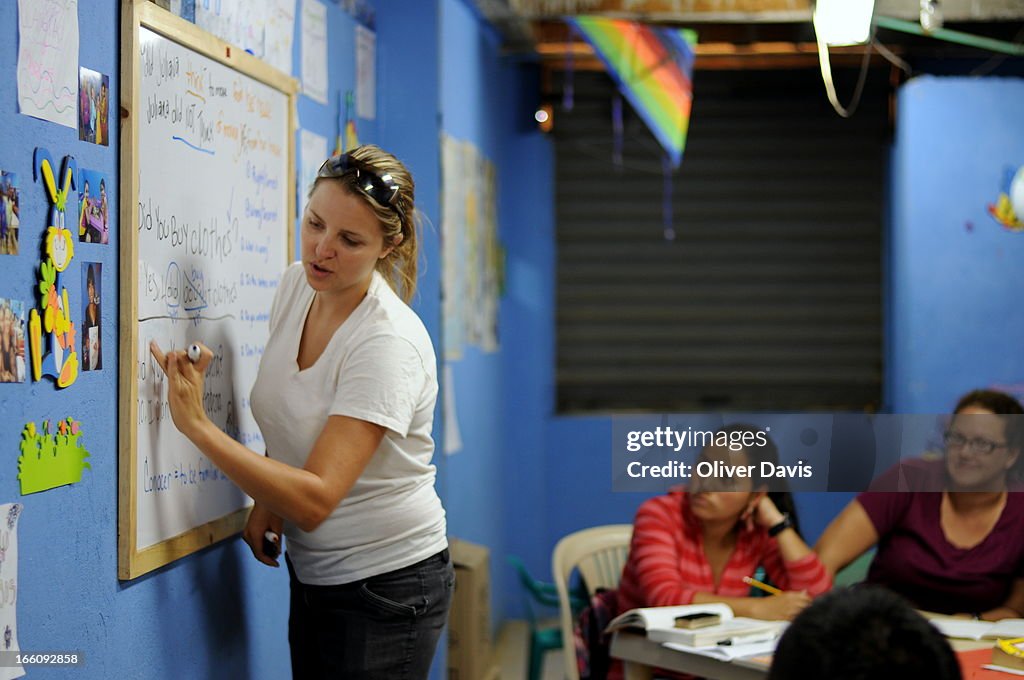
(640, 656)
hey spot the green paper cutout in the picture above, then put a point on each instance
(51, 460)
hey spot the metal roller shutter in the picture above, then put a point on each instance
(770, 298)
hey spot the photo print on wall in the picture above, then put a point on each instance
(94, 212)
(9, 211)
(12, 341)
(92, 356)
(93, 102)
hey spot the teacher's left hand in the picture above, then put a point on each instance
(184, 385)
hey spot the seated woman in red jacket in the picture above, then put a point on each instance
(696, 546)
(951, 543)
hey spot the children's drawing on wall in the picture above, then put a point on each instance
(48, 59)
(9, 514)
(94, 213)
(93, 100)
(59, 245)
(49, 460)
(1008, 210)
(12, 341)
(92, 358)
(9, 212)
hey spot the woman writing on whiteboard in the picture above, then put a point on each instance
(345, 399)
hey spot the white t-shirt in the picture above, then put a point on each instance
(379, 367)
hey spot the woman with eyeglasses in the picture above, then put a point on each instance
(345, 400)
(950, 544)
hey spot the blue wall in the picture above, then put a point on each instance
(408, 57)
(956, 319)
(525, 476)
(217, 613)
(489, 101)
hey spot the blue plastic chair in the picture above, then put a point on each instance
(542, 638)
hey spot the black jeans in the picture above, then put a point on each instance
(385, 627)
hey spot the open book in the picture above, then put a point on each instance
(659, 623)
(980, 630)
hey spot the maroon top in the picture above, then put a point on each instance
(915, 560)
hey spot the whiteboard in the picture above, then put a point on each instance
(209, 146)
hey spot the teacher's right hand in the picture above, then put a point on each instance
(261, 521)
(184, 386)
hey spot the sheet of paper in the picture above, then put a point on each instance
(473, 263)
(9, 514)
(1002, 669)
(1007, 629)
(314, 50)
(280, 29)
(312, 154)
(452, 435)
(728, 652)
(48, 60)
(966, 629)
(453, 246)
(239, 22)
(366, 73)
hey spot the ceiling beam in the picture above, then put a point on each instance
(671, 11)
(754, 11)
(580, 56)
(516, 31)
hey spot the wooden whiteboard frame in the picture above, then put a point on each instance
(131, 561)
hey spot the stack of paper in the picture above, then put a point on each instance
(730, 652)
(737, 631)
(659, 624)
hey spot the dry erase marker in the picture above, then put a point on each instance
(271, 545)
(194, 353)
(761, 586)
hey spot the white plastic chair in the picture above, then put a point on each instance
(599, 554)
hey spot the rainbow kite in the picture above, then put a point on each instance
(653, 68)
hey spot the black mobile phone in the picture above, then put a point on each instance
(697, 620)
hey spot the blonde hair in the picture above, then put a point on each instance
(400, 218)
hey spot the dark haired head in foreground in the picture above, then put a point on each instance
(863, 634)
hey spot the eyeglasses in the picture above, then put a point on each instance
(382, 188)
(977, 445)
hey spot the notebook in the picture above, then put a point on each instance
(647, 618)
(980, 630)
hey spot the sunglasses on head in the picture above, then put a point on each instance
(382, 188)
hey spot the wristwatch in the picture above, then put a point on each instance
(781, 526)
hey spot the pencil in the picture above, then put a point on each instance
(763, 586)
